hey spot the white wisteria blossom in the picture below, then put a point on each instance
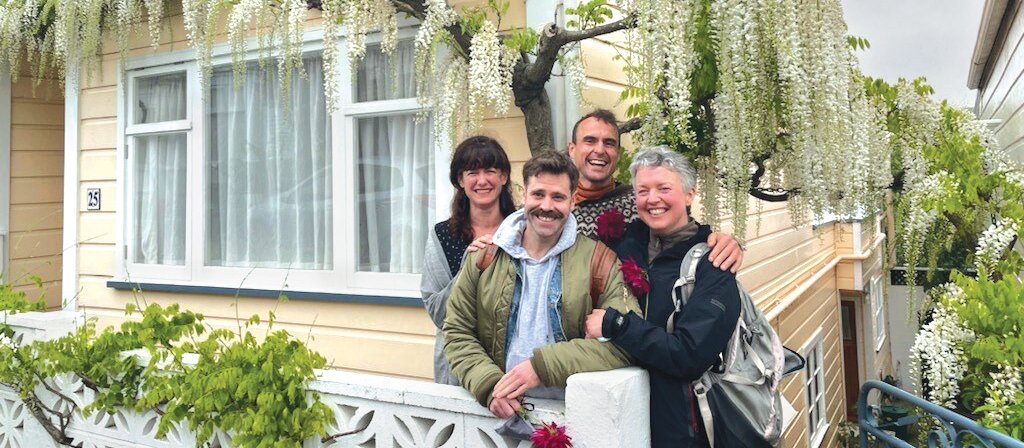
(490, 71)
(994, 241)
(438, 17)
(1004, 390)
(937, 356)
(575, 73)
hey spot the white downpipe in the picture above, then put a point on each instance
(793, 296)
(69, 257)
(858, 266)
(5, 170)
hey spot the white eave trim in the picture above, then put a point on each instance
(69, 257)
(991, 18)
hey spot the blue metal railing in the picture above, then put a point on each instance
(956, 431)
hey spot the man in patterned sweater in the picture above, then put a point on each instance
(594, 149)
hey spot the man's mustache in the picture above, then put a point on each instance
(553, 214)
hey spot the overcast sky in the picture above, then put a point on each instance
(910, 38)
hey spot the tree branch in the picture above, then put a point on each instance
(418, 9)
(35, 406)
(771, 195)
(630, 125)
(332, 438)
(553, 38)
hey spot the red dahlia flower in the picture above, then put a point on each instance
(611, 224)
(635, 277)
(550, 435)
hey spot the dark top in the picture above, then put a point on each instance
(452, 245)
(702, 330)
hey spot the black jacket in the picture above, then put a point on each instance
(702, 330)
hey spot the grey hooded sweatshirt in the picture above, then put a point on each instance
(533, 319)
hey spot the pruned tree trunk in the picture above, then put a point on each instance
(540, 134)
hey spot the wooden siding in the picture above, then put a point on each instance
(817, 311)
(1002, 94)
(36, 186)
(399, 340)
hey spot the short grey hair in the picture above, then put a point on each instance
(661, 155)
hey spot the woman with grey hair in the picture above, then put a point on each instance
(664, 183)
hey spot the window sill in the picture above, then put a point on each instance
(819, 436)
(247, 292)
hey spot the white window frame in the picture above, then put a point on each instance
(813, 353)
(342, 277)
(878, 312)
(134, 270)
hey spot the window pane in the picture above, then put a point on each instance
(383, 77)
(395, 192)
(160, 98)
(269, 201)
(158, 177)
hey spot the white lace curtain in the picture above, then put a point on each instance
(159, 172)
(268, 170)
(268, 167)
(395, 168)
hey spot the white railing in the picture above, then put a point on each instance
(602, 410)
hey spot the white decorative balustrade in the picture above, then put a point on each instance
(602, 410)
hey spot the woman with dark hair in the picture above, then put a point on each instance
(480, 173)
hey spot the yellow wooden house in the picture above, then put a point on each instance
(130, 187)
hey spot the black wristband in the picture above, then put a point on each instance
(613, 323)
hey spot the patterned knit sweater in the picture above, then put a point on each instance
(621, 197)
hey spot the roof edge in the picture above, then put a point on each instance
(988, 29)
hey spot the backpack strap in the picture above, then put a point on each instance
(683, 286)
(487, 257)
(600, 264)
(701, 393)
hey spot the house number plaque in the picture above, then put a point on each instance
(92, 199)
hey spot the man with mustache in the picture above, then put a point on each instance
(595, 150)
(514, 321)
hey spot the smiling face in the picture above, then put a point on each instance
(482, 186)
(661, 199)
(547, 205)
(595, 151)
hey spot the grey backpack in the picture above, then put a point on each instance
(742, 393)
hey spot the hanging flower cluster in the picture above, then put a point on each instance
(780, 94)
(937, 357)
(573, 70)
(993, 242)
(663, 59)
(448, 102)
(437, 18)
(62, 35)
(490, 71)
(1005, 389)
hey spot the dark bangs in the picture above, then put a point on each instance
(478, 153)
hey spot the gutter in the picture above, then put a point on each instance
(988, 29)
(794, 295)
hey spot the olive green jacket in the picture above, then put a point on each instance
(478, 314)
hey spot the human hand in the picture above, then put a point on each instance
(517, 381)
(504, 408)
(594, 322)
(479, 243)
(726, 253)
